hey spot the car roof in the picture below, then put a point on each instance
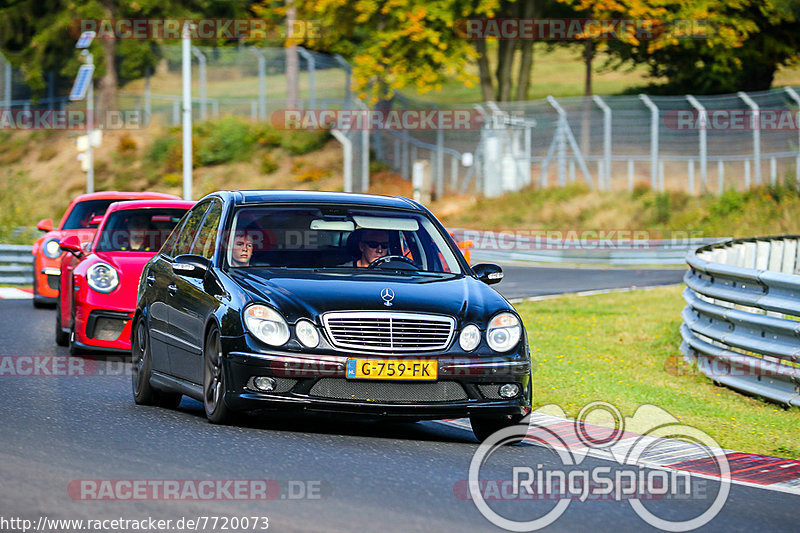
(324, 197)
(143, 204)
(123, 195)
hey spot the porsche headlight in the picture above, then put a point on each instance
(51, 249)
(503, 332)
(102, 277)
(470, 338)
(266, 324)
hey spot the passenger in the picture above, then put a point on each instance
(137, 234)
(241, 249)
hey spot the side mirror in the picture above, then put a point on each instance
(488, 273)
(46, 224)
(191, 266)
(96, 220)
(72, 244)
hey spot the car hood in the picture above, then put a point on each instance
(311, 293)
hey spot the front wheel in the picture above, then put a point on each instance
(62, 338)
(483, 427)
(214, 391)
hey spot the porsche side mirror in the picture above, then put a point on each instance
(72, 244)
(488, 273)
(191, 266)
(46, 224)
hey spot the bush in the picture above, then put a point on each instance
(267, 135)
(228, 139)
(304, 142)
(126, 144)
(159, 150)
(268, 164)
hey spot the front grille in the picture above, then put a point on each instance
(388, 392)
(388, 331)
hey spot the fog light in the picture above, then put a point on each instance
(264, 384)
(509, 390)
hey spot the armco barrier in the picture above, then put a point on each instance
(16, 263)
(741, 324)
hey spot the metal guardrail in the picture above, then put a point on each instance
(15, 264)
(741, 324)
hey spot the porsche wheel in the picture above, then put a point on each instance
(62, 338)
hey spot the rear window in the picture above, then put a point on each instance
(83, 212)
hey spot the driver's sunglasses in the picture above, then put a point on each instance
(376, 244)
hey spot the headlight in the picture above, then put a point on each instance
(102, 277)
(307, 333)
(266, 324)
(503, 332)
(470, 338)
(51, 249)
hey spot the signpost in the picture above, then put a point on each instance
(83, 85)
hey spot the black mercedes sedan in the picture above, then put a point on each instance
(348, 303)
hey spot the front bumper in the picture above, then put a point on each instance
(465, 386)
(103, 329)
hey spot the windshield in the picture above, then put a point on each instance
(137, 230)
(338, 237)
(83, 212)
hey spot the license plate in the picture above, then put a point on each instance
(392, 369)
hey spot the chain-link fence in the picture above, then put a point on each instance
(695, 144)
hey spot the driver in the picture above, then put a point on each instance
(373, 245)
(241, 249)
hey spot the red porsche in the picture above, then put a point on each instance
(76, 221)
(98, 285)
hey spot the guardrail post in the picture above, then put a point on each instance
(201, 59)
(312, 67)
(720, 176)
(630, 174)
(653, 139)
(703, 141)
(794, 96)
(262, 83)
(439, 162)
(348, 73)
(606, 140)
(773, 171)
(747, 173)
(691, 176)
(148, 106)
(755, 125)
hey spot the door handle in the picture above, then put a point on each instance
(151, 280)
(173, 289)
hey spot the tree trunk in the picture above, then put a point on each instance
(588, 55)
(292, 61)
(485, 74)
(527, 11)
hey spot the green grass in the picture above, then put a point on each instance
(763, 210)
(623, 348)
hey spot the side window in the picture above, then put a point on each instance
(169, 244)
(204, 243)
(190, 229)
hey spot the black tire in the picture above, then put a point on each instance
(142, 366)
(483, 427)
(62, 338)
(37, 301)
(214, 392)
